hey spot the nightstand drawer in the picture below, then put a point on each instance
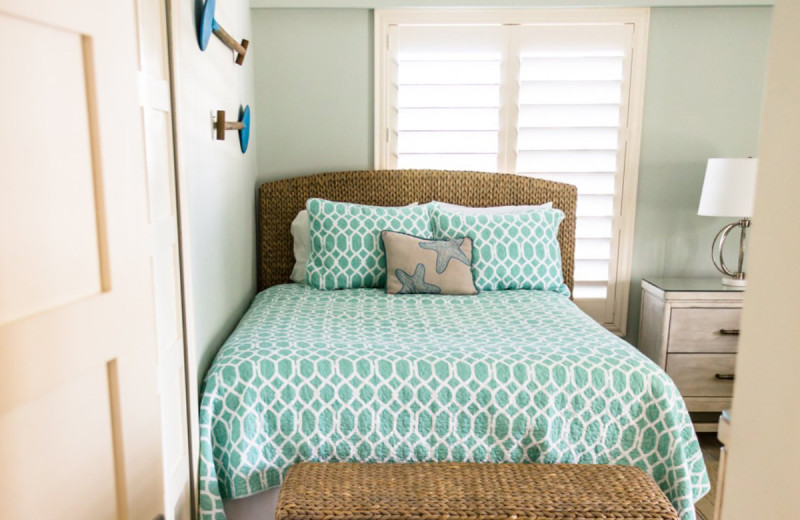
(702, 375)
(704, 329)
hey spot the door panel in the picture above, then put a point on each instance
(54, 259)
(45, 447)
(80, 414)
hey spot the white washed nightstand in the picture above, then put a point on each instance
(690, 327)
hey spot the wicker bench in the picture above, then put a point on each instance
(464, 491)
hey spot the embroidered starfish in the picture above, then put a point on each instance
(446, 250)
(415, 284)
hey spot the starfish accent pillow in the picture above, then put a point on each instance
(417, 265)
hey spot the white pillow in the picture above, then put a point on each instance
(493, 210)
(302, 244)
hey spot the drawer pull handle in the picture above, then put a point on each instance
(729, 332)
(725, 377)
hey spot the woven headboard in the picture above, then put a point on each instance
(280, 201)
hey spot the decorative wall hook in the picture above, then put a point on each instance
(242, 125)
(208, 25)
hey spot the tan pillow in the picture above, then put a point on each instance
(417, 265)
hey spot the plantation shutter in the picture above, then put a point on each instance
(572, 122)
(546, 99)
(446, 106)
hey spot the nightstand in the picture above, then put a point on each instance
(690, 327)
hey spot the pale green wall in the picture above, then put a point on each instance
(313, 72)
(705, 77)
(393, 4)
(705, 82)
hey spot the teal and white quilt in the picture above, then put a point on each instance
(507, 376)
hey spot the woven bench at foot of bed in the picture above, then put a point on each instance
(469, 491)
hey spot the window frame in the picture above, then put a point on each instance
(612, 311)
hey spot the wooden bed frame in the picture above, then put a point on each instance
(280, 201)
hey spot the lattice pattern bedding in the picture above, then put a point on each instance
(509, 376)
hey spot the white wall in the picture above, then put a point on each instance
(220, 180)
(217, 187)
(763, 479)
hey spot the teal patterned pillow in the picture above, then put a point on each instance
(346, 249)
(509, 251)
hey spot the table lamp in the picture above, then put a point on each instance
(728, 191)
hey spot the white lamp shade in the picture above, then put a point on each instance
(729, 188)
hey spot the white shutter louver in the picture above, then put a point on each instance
(448, 111)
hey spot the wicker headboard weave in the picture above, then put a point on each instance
(280, 201)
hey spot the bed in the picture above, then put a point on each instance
(359, 375)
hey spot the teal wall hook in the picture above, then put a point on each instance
(242, 125)
(208, 25)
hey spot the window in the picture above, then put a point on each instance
(553, 94)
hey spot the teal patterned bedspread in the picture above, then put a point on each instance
(507, 376)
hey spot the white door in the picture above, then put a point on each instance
(156, 115)
(80, 416)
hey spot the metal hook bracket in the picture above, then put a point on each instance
(242, 125)
(208, 24)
